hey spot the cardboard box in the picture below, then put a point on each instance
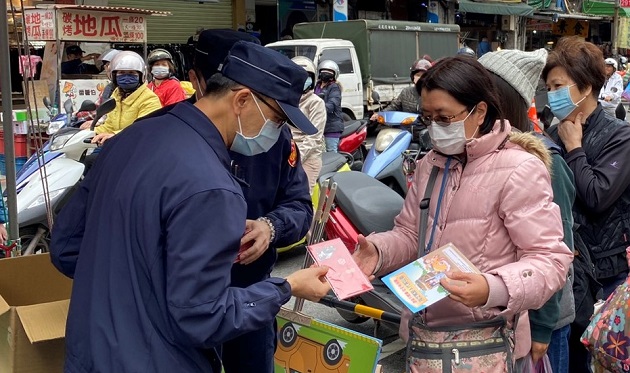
(34, 300)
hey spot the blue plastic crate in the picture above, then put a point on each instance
(19, 163)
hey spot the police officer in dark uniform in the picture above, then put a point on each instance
(152, 232)
(279, 208)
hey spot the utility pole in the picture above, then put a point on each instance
(615, 29)
(7, 123)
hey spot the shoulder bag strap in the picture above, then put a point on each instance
(424, 211)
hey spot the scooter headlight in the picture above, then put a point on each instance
(54, 126)
(59, 141)
(40, 200)
(385, 138)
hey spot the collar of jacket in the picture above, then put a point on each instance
(133, 96)
(478, 147)
(200, 123)
(593, 119)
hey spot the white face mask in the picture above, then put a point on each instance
(160, 72)
(450, 139)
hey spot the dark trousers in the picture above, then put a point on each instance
(251, 352)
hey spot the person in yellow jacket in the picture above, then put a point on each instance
(133, 98)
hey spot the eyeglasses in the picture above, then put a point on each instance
(282, 120)
(442, 120)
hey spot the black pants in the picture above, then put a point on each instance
(88, 161)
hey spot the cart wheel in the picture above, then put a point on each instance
(288, 335)
(332, 352)
(352, 317)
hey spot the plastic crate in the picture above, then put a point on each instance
(19, 163)
(19, 144)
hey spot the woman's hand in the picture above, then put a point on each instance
(571, 133)
(366, 256)
(470, 289)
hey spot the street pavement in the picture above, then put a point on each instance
(393, 353)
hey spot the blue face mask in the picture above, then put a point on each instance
(308, 83)
(261, 143)
(561, 103)
(128, 82)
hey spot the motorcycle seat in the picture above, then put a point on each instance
(351, 127)
(369, 204)
(331, 162)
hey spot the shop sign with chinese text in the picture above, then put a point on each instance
(83, 25)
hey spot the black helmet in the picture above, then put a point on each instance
(467, 52)
(159, 55)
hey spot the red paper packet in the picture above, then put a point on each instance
(344, 276)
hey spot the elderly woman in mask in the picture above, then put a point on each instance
(492, 200)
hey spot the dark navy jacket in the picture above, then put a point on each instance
(276, 187)
(149, 238)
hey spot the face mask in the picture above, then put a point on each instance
(261, 143)
(326, 77)
(307, 84)
(451, 139)
(160, 72)
(128, 82)
(561, 103)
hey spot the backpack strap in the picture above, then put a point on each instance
(424, 211)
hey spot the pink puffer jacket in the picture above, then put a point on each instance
(498, 211)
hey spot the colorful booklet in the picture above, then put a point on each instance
(417, 284)
(344, 276)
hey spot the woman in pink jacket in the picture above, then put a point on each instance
(495, 199)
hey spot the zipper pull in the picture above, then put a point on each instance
(456, 354)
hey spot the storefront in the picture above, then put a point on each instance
(187, 17)
(500, 22)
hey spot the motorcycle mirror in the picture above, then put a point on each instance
(105, 108)
(47, 102)
(87, 105)
(376, 97)
(67, 106)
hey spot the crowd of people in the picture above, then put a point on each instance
(171, 236)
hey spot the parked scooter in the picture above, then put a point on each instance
(364, 205)
(331, 163)
(352, 143)
(57, 122)
(62, 173)
(384, 161)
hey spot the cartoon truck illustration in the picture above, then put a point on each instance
(298, 354)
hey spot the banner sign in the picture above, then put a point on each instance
(340, 10)
(79, 90)
(78, 25)
(39, 24)
(570, 27)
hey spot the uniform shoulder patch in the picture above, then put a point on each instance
(294, 155)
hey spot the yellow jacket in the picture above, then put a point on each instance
(140, 103)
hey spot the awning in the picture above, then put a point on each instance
(601, 8)
(495, 7)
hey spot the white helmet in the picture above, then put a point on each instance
(624, 60)
(306, 63)
(329, 65)
(128, 60)
(108, 55)
(611, 61)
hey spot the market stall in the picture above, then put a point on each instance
(83, 23)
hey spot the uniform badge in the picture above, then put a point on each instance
(293, 157)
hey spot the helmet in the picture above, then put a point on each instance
(306, 63)
(419, 65)
(611, 61)
(329, 65)
(159, 55)
(128, 60)
(108, 55)
(624, 60)
(467, 52)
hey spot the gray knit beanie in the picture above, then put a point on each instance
(520, 69)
